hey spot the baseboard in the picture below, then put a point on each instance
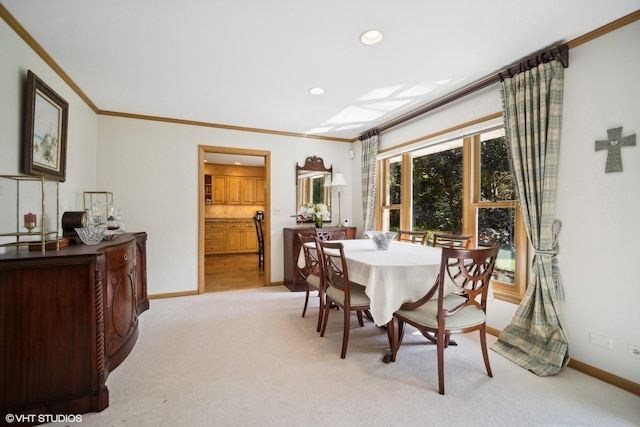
(173, 294)
(594, 372)
(607, 377)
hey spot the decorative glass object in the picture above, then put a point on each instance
(318, 220)
(381, 239)
(91, 235)
(112, 224)
(97, 203)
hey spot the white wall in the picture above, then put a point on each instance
(152, 169)
(16, 59)
(601, 230)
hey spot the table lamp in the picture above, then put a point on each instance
(339, 181)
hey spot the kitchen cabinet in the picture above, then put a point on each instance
(230, 237)
(219, 189)
(213, 238)
(235, 190)
(259, 191)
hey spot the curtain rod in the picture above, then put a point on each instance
(560, 52)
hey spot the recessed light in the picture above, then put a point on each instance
(316, 91)
(370, 37)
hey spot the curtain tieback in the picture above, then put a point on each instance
(543, 252)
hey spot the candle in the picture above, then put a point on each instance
(30, 221)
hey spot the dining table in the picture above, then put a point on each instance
(402, 273)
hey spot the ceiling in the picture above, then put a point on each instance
(250, 63)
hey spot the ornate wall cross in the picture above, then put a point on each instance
(613, 145)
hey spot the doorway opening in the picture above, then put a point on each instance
(229, 266)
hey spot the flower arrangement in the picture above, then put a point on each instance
(314, 212)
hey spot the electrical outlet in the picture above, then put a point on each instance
(634, 351)
(276, 211)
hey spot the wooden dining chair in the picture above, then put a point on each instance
(457, 241)
(312, 274)
(339, 290)
(410, 236)
(441, 314)
(335, 234)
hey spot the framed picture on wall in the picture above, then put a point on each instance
(44, 150)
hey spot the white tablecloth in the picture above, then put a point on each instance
(403, 273)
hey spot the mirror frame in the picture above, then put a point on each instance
(313, 164)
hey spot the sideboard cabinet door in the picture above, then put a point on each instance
(121, 309)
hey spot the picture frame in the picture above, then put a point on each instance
(44, 148)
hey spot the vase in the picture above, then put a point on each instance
(318, 221)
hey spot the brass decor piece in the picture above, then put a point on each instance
(48, 239)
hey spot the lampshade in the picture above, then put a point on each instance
(338, 180)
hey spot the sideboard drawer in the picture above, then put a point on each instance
(120, 255)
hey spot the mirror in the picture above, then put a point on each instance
(310, 185)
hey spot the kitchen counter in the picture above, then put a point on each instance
(224, 220)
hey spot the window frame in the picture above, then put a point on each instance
(501, 290)
(471, 202)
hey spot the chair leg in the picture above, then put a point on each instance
(325, 317)
(345, 331)
(306, 301)
(360, 320)
(321, 308)
(440, 344)
(485, 353)
(393, 330)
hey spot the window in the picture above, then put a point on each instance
(463, 186)
(498, 220)
(391, 194)
(437, 188)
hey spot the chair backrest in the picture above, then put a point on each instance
(311, 258)
(331, 235)
(470, 271)
(417, 237)
(334, 266)
(457, 241)
(258, 224)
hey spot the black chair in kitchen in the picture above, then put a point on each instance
(258, 223)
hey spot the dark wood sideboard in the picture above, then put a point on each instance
(293, 279)
(68, 318)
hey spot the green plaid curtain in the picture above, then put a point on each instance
(369, 169)
(532, 108)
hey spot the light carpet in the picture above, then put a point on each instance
(247, 358)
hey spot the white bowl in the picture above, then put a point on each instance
(381, 239)
(91, 235)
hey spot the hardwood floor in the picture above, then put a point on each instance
(231, 272)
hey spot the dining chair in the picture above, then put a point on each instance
(410, 236)
(470, 271)
(258, 224)
(339, 290)
(312, 273)
(457, 241)
(335, 234)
